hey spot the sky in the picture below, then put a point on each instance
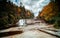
(33, 5)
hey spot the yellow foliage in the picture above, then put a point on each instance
(48, 11)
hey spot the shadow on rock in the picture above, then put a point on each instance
(4, 34)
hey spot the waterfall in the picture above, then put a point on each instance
(21, 22)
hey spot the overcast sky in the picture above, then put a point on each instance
(33, 5)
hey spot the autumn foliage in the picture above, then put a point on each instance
(47, 11)
(51, 13)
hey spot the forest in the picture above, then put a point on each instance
(10, 13)
(51, 13)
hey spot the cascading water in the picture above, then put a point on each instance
(21, 22)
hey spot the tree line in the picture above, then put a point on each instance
(51, 13)
(11, 14)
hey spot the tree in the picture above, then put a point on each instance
(29, 14)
